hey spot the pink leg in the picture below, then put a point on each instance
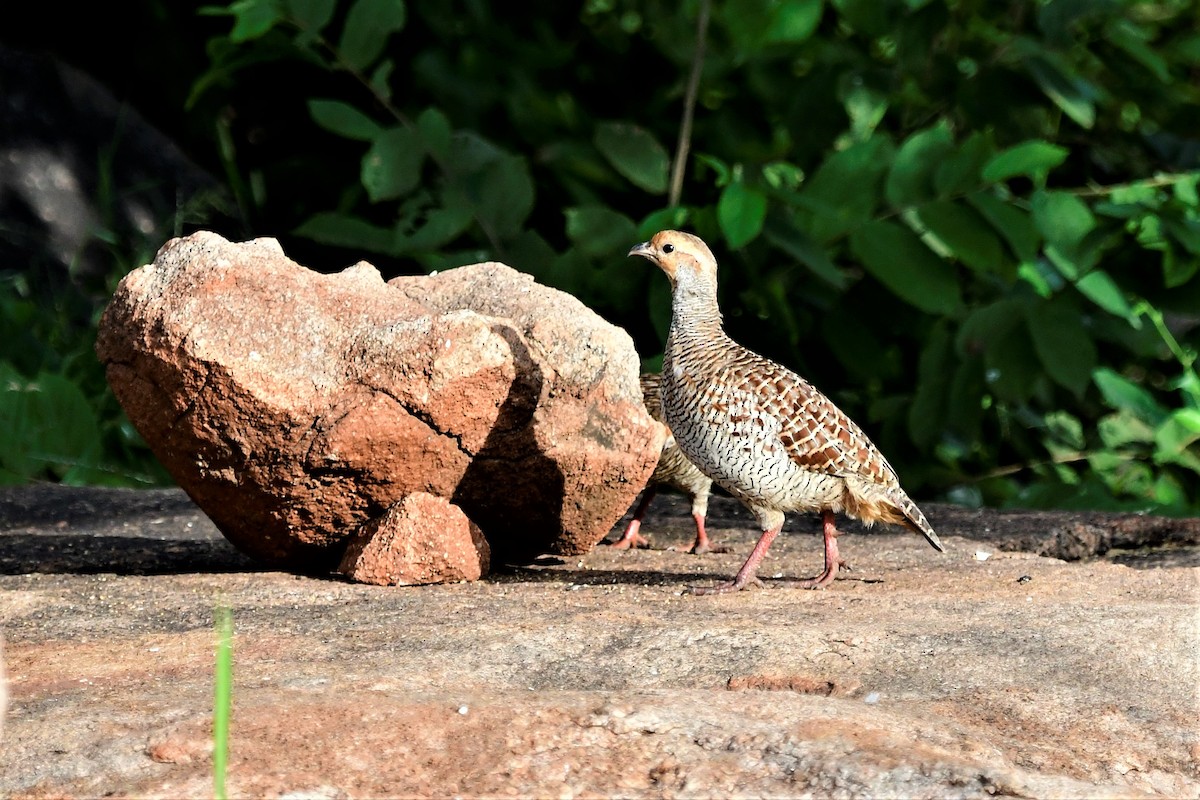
(703, 544)
(631, 539)
(832, 560)
(745, 575)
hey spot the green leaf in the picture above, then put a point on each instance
(864, 106)
(635, 154)
(392, 166)
(801, 247)
(1065, 220)
(962, 170)
(964, 407)
(369, 23)
(902, 263)
(1170, 493)
(311, 15)
(1175, 441)
(1065, 429)
(1033, 158)
(440, 227)
(1058, 78)
(1186, 232)
(1011, 370)
(1122, 429)
(342, 230)
(741, 211)
(988, 324)
(927, 414)
(435, 133)
(1187, 186)
(722, 171)
(1062, 343)
(793, 21)
(380, 80)
(1132, 38)
(1122, 394)
(503, 194)
(911, 177)
(47, 429)
(600, 232)
(1013, 223)
(844, 190)
(661, 220)
(253, 19)
(1102, 290)
(857, 348)
(1178, 270)
(343, 119)
(965, 233)
(782, 175)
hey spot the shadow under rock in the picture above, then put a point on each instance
(51, 504)
(600, 577)
(511, 490)
(53, 529)
(85, 554)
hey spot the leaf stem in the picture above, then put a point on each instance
(1097, 190)
(689, 106)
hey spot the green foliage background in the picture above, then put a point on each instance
(976, 226)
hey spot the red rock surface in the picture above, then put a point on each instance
(583, 406)
(421, 539)
(294, 407)
(917, 675)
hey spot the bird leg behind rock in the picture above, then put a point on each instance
(631, 538)
(703, 544)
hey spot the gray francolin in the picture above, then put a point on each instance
(759, 430)
(673, 470)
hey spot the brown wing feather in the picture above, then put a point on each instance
(815, 433)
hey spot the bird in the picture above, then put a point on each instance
(760, 431)
(674, 470)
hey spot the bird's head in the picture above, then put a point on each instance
(680, 255)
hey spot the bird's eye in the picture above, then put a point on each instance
(668, 248)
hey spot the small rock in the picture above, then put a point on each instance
(422, 539)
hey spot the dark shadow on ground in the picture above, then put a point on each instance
(47, 505)
(90, 554)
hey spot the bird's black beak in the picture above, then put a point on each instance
(642, 250)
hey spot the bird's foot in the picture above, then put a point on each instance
(726, 588)
(700, 548)
(631, 541)
(826, 577)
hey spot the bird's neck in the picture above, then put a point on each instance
(695, 315)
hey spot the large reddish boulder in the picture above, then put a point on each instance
(295, 407)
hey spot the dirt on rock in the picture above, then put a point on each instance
(989, 670)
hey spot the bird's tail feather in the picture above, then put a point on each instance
(916, 520)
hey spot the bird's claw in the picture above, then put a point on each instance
(726, 588)
(636, 541)
(699, 549)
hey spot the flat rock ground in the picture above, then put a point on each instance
(917, 675)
